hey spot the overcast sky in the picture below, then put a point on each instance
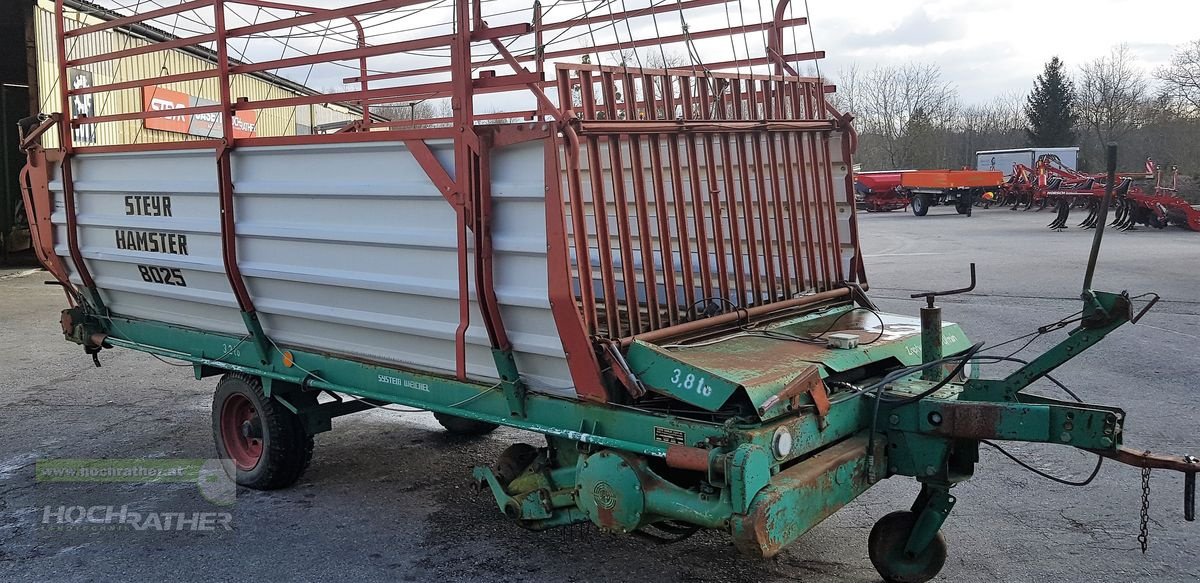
(990, 47)
(985, 48)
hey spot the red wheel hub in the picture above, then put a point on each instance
(241, 431)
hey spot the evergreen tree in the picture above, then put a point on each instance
(1050, 108)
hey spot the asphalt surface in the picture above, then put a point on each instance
(388, 498)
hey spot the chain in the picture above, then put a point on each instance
(1144, 535)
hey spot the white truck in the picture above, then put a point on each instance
(1004, 160)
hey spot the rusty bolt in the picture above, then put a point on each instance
(894, 419)
(935, 418)
(1065, 437)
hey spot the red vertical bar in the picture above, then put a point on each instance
(66, 140)
(697, 198)
(600, 211)
(781, 246)
(810, 156)
(645, 239)
(624, 228)
(748, 208)
(579, 230)
(713, 200)
(662, 212)
(688, 282)
(827, 159)
(763, 210)
(795, 156)
(574, 332)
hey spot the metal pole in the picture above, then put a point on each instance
(1108, 192)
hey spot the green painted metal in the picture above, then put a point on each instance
(598, 465)
(625, 429)
(664, 373)
(933, 505)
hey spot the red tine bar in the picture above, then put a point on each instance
(697, 198)
(599, 210)
(624, 228)
(713, 190)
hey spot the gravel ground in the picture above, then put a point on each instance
(387, 496)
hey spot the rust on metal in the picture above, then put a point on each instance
(683, 457)
(971, 421)
(802, 496)
(1155, 461)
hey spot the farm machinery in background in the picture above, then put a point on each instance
(922, 189)
(1050, 183)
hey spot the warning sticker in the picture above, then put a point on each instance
(668, 435)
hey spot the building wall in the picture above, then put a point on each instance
(270, 122)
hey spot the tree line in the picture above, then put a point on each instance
(908, 116)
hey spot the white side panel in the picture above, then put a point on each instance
(345, 248)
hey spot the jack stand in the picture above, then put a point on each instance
(931, 328)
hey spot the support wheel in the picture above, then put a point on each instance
(464, 426)
(886, 548)
(265, 441)
(963, 208)
(920, 205)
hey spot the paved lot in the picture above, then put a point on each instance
(387, 497)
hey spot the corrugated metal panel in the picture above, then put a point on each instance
(346, 248)
(271, 122)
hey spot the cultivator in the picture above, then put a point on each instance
(1050, 184)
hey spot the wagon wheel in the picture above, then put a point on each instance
(266, 443)
(886, 549)
(920, 205)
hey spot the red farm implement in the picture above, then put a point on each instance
(656, 269)
(1051, 184)
(886, 191)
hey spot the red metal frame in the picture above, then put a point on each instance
(753, 230)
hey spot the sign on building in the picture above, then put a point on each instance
(82, 105)
(205, 125)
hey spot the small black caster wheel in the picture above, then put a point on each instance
(886, 549)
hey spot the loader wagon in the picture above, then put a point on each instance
(657, 269)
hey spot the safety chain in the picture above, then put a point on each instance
(1144, 535)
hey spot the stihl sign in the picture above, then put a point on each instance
(208, 125)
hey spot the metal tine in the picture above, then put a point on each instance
(621, 203)
(583, 262)
(739, 110)
(687, 83)
(600, 211)
(679, 203)
(714, 202)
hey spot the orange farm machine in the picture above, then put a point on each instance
(1051, 184)
(922, 189)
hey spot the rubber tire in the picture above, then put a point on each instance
(920, 205)
(287, 447)
(513, 461)
(886, 549)
(463, 426)
(963, 208)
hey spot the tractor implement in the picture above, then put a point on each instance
(1052, 184)
(656, 270)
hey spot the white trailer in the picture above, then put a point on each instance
(1004, 160)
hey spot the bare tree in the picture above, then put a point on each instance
(903, 113)
(1111, 91)
(1181, 79)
